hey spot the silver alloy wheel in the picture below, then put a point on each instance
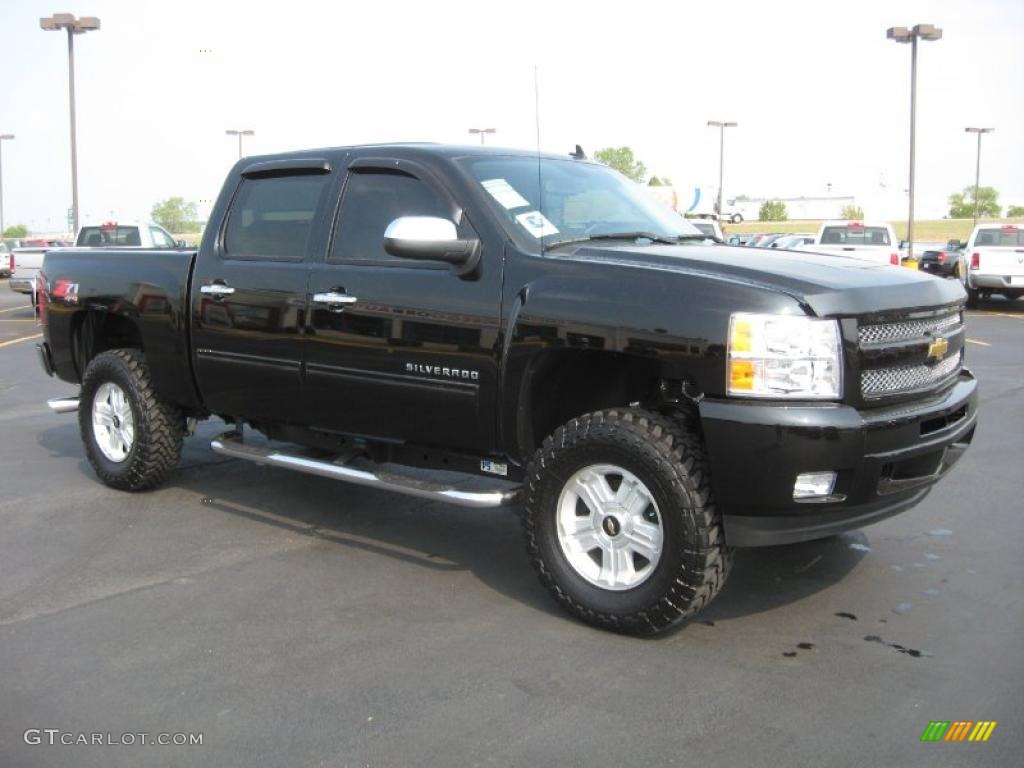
(610, 533)
(113, 425)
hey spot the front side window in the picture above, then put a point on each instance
(551, 201)
(371, 201)
(272, 217)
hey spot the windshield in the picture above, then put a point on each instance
(569, 199)
(1006, 237)
(845, 235)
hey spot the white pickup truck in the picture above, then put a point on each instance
(993, 262)
(137, 235)
(875, 242)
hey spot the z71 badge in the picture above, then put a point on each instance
(444, 371)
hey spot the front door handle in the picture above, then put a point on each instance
(217, 289)
(334, 300)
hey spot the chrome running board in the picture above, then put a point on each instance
(231, 444)
(63, 404)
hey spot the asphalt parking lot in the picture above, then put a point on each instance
(296, 621)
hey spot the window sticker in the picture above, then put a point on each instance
(505, 193)
(537, 224)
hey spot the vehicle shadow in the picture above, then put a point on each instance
(1001, 304)
(443, 538)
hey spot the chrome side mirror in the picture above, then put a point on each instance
(430, 238)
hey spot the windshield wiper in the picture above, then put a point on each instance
(653, 237)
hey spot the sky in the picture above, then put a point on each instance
(820, 96)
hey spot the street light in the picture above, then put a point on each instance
(3, 138)
(721, 157)
(977, 167)
(482, 131)
(903, 35)
(239, 134)
(74, 27)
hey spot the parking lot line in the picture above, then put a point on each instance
(19, 320)
(979, 343)
(23, 338)
(13, 309)
(996, 314)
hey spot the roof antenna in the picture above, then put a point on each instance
(540, 185)
(579, 154)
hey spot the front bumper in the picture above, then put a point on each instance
(886, 460)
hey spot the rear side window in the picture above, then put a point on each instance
(855, 236)
(272, 217)
(371, 201)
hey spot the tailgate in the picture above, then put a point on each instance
(1005, 262)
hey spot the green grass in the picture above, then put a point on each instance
(938, 230)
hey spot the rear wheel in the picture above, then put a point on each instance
(620, 521)
(132, 439)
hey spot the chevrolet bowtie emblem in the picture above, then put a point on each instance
(937, 349)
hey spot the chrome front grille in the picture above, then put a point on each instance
(893, 354)
(907, 330)
(907, 378)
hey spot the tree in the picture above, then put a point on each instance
(623, 161)
(961, 204)
(175, 215)
(664, 181)
(852, 212)
(773, 210)
(16, 231)
(1015, 211)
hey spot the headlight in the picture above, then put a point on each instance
(784, 356)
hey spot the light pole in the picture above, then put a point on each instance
(74, 27)
(239, 134)
(721, 158)
(3, 137)
(482, 131)
(977, 166)
(904, 35)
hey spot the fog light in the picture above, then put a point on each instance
(814, 485)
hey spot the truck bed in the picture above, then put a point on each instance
(145, 291)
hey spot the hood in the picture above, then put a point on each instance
(829, 285)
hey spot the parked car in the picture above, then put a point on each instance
(757, 240)
(791, 241)
(739, 239)
(870, 241)
(538, 321)
(768, 240)
(5, 260)
(992, 262)
(24, 265)
(937, 259)
(126, 233)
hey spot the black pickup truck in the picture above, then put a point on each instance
(650, 399)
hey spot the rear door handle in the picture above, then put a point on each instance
(217, 289)
(336, 301)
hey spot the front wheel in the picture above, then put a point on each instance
(621, 524)
(736, 218)
(133, 439)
